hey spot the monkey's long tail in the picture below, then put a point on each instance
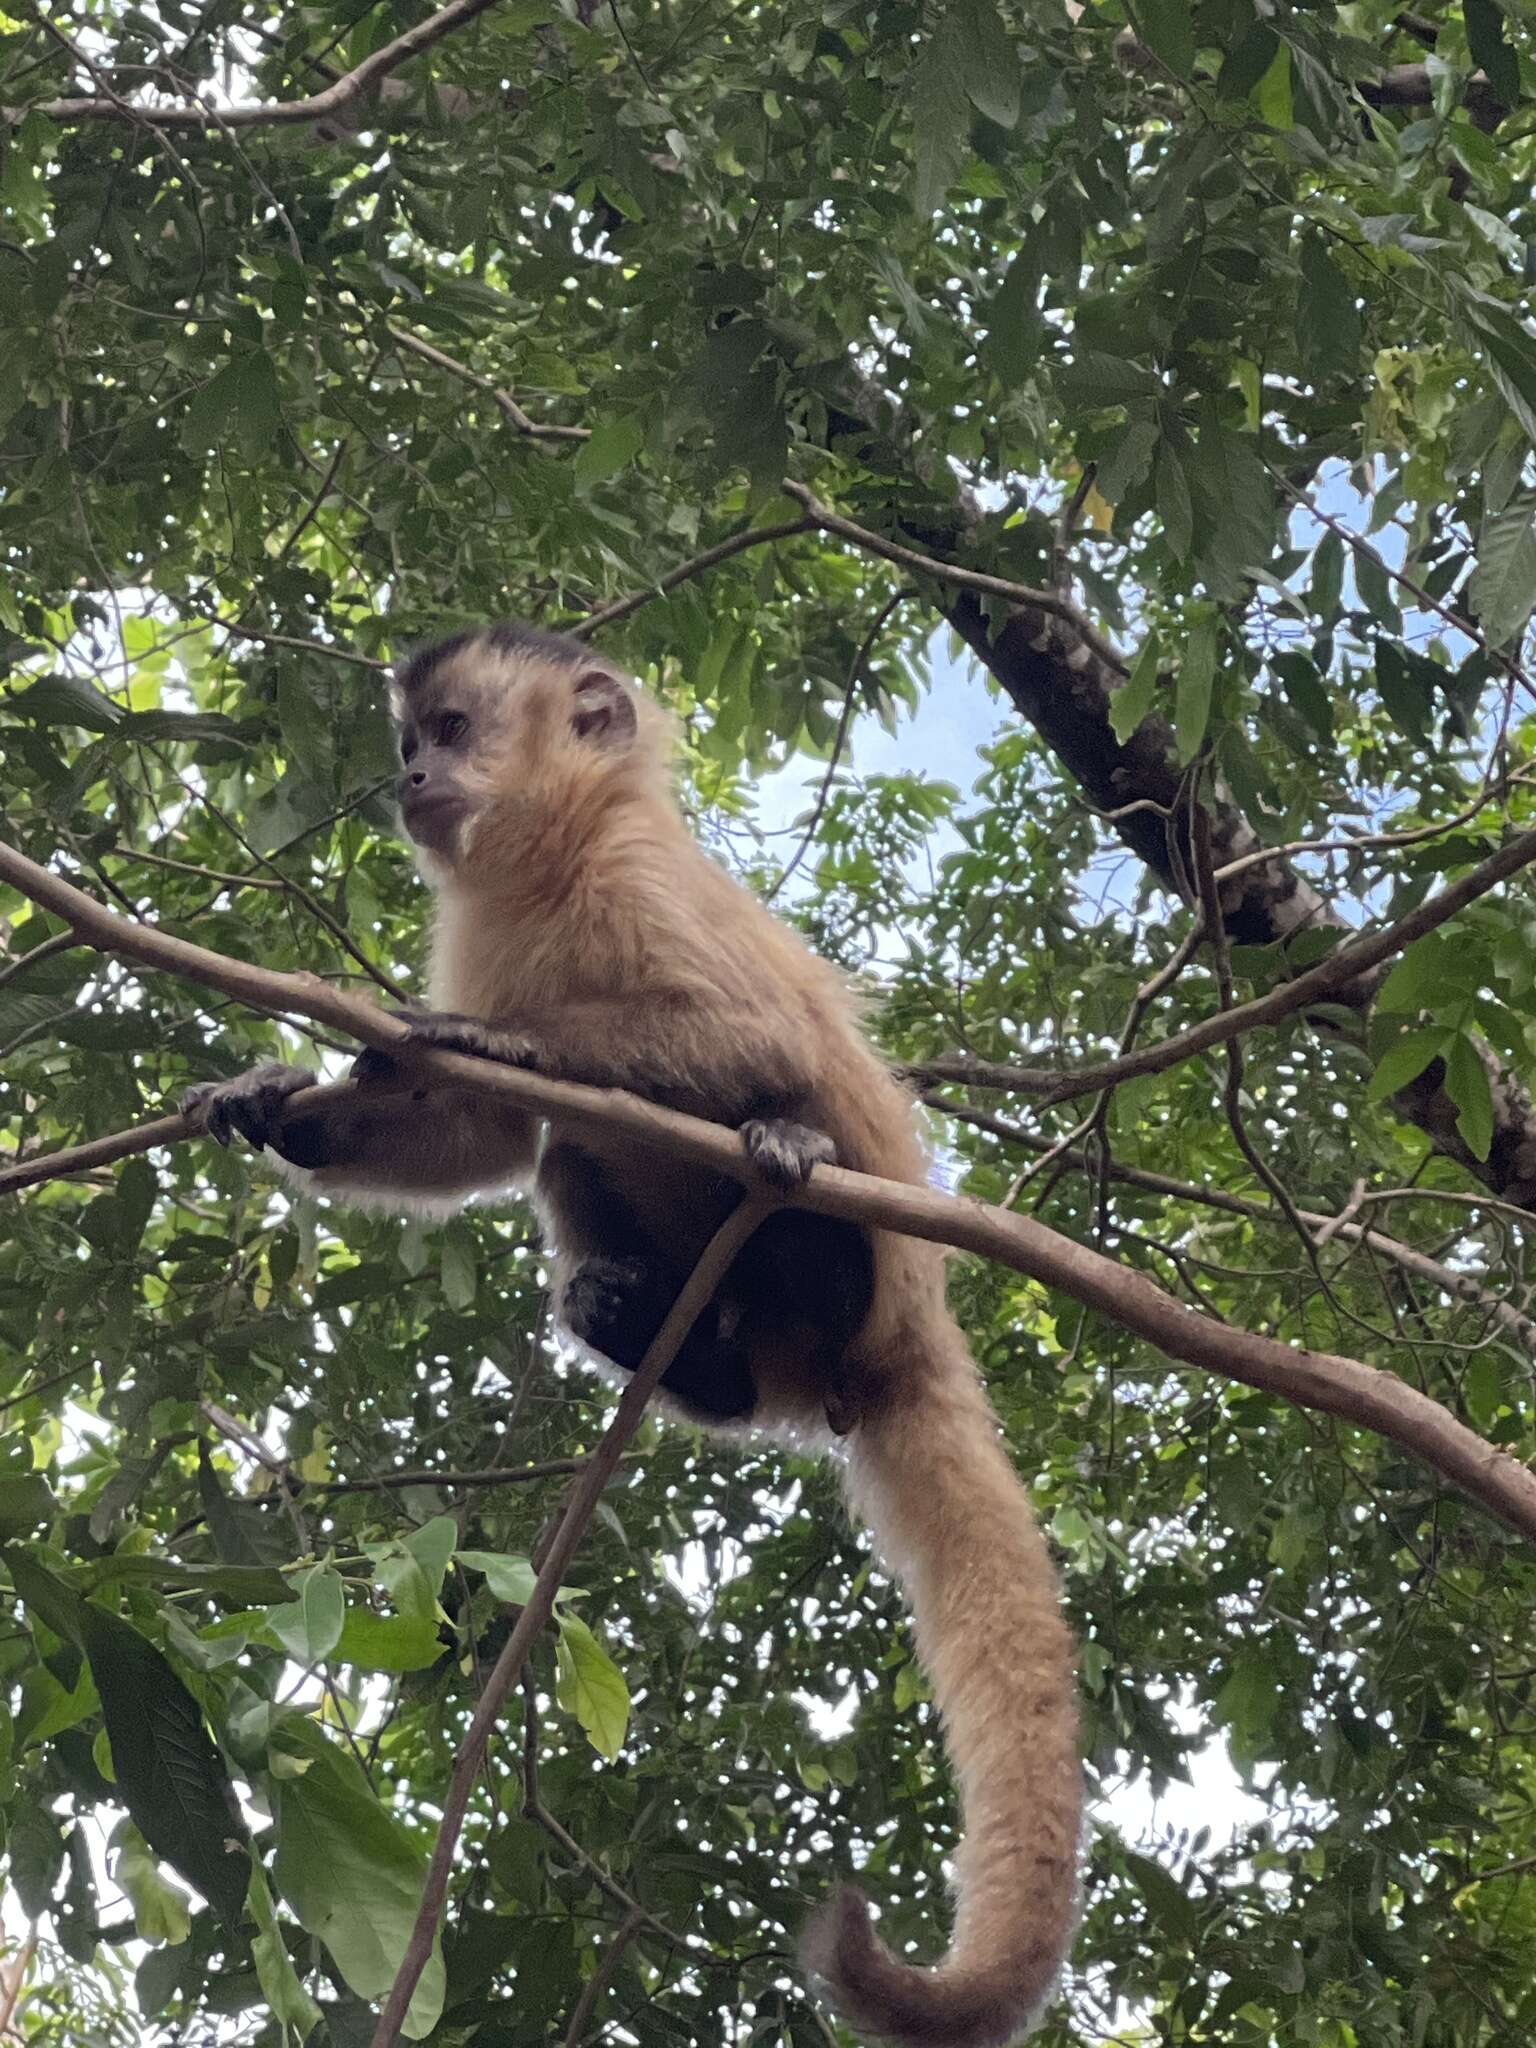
(930, 1475)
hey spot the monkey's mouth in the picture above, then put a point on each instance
(433, 819)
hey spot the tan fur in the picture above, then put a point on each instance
(575, 903)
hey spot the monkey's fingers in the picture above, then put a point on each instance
(444, 1032)
(251, 1104)
(784, 1153)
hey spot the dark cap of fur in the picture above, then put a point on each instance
(416, 671)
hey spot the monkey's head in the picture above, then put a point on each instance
(508, 734)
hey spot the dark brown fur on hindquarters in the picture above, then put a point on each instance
(579, 920)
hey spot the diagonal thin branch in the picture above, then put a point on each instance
(1462, 1285)
(1345, 965)
(1328, 1381)
(713, 1264)
(503, 400)
(335, 99)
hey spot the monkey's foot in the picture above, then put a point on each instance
(445, 1031)
(251, 1104)
(784, 1153)
(615, 1306)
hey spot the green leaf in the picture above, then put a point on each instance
(1169, 31)
(26, 1503)
(1511, 352)
(1327, 590)
(1405, 1059)
(159, 1907)
(458, 1269)
(1405, 690)
(388, 1642)
(1466, 1082)
(350, 1873)
(1306, 690)
(1127, 460)
(1437, 967)
(614, 445)
(1168, 1902)
(35, 1850)
(1272, 94)
(1131, 703)
(511, 1579)
(1015, 328)
(1491, 48)
(291, 2005)
(591, 1686)
(309, 1626)
(1174, 506)
(992, 67)
(1196, 680)
(169, 1775)
(1327, 322)
(1503, 586)
(939, 111)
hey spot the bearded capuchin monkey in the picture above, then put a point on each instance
(583, 933)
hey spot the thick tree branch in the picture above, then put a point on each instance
(1064, 689)
(1328, 981)
(553, 1560)
(1463, 1285)
(336, 99)
(1334, 1384)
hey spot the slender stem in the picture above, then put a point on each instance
(713, 1264)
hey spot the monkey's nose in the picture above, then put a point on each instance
(413, 780)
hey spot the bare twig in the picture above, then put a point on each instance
(713, 1264)
(334, 100)
(494, 1475)
(505, 403)
(1346, 964)
(72, 1159)
(1327, 1381)
(1023, 594)
(602, 1977)
(850, 698)
(1463, 1286)
(750, 537)
(59, 944)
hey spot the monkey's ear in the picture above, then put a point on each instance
(602, 709)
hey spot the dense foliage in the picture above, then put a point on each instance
(1099, 299)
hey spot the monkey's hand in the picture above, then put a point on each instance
(251, 1104)
(443, 1031)
(784, 1153)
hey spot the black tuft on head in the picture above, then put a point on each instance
(510, 637)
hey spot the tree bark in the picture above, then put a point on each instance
(1061, 684)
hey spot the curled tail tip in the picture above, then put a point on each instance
(905, 2004)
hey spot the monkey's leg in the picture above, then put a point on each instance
(621, 1285)
(805, 1283)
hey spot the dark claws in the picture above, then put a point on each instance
(784, 1153)
(251, 1104)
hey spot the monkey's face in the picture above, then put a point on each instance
(500, 736)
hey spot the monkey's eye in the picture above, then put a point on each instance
(450, 727)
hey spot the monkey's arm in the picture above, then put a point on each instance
(378, 1141)
(668, 1046)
